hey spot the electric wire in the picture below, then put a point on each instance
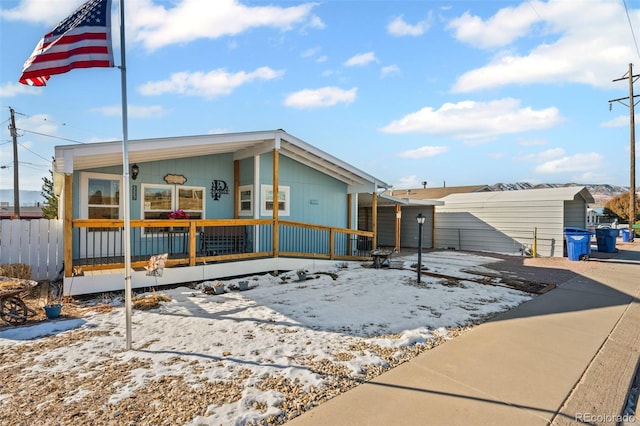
(633, 34)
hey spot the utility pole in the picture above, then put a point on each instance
(16, 188)
(632, 151)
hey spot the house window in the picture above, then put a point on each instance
(266, 192)
(246, 200)
(100, 196)
(159, 200)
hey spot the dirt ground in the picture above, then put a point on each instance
(539, 271)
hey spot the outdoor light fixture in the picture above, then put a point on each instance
(134, 171)
(420, 219)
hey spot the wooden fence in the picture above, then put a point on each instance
(37, 243)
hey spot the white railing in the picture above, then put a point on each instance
(37, 243)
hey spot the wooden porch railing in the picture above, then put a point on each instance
(98, 244)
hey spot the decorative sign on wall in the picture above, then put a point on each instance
(218, 187)
(175, 179)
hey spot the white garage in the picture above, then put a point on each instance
(512, 222)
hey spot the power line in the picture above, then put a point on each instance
(633, 34)
(51, 136)
(34, 153)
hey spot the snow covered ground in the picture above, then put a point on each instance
(262, 355)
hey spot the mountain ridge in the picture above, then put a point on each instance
(601, 192)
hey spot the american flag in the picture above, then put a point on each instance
(83, 40)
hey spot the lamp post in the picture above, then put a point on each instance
(420, 218)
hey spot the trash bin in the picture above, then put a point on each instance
(625, 235)
(606, 239)
(578, 243)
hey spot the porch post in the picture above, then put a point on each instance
(433, 228)
(236, 187)
(349, 222)
(398, 227)
(276, 173)
(68, 224)
(374, 218)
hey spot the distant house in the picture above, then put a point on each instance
(512, 222)
(437, 193)
(255, 201)
(26, 212)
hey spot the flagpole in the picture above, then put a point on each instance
(125, 180)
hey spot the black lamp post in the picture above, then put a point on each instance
(420, 218)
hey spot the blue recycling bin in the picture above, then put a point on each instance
(606, 239)
(578, 243)
(625, 235)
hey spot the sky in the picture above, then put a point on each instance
(445, 92)
(282, 330)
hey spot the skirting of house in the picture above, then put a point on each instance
(113, 280)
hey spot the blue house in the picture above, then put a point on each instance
(218, 205)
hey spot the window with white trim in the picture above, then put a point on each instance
(100, 196)
(245, 198)
(160, 200)
(266, 200)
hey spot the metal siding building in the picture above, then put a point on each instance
(506, 221)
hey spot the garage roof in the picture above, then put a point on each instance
(560, 194)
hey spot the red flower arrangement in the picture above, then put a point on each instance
(178, 214)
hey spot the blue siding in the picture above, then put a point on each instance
(199, 171)
(315, 197)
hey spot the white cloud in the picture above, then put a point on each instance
(208, 85)
(566, 32)
(424, 152)
(476, 120)
(156, 26)
(389, 69)
(406, 182)
(399, 27)
(133, 111)
(182, 21)
(309, 53)
(320, 98)
(502, 28)
(40, 123)
(361, 59)
(497, 155)
(10, 89)
(531, 142)
(542, 156)
(575, 163)
(41, 12)
(620, 121)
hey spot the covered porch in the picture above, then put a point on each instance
(275, 203)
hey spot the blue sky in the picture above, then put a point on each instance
(462, 92)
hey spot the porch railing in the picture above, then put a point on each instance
(99, 244)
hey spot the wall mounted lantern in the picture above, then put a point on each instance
(134, 171)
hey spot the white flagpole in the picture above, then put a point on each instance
(125, 181)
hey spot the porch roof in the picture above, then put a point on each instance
(385, 199)
(69, 158)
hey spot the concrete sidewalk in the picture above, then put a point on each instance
(565, 357)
